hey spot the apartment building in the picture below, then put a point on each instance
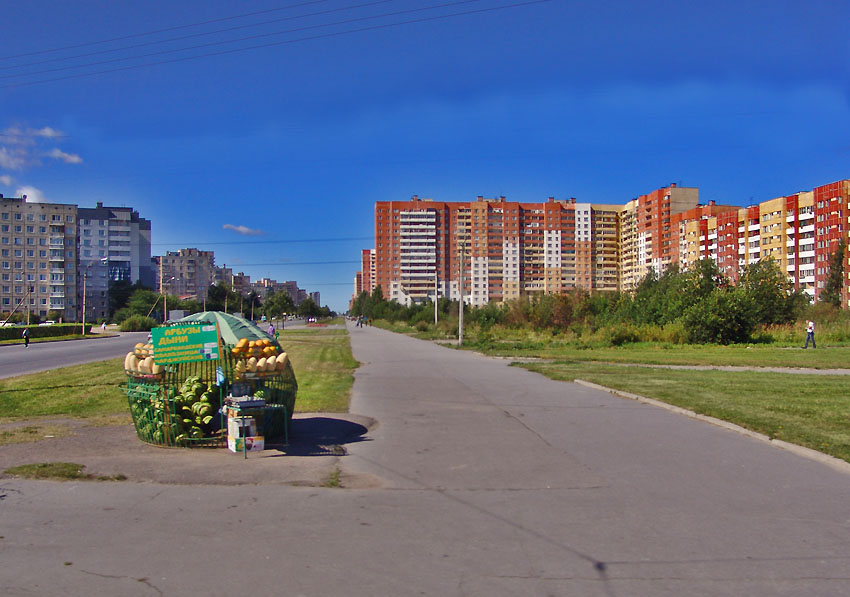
(649, 238)
(496, 250)
(489, 249)
(114, 244)
(185, 273)
(38, 258)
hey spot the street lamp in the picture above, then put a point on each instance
(103, 261)
(164, 283)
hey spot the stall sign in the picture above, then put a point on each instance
(185, 343)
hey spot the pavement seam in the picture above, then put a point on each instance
(830, 461)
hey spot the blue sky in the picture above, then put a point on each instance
(600, 100)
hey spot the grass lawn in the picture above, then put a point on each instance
(320, 357)
(809, 410)
(324, 368)
(753, 355)
(89, 390)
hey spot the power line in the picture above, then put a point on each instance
(156, 31)
(285, 42)
(183, 37)
(240, 39)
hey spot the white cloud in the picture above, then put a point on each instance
(21, 147)
(6, 180)
(243, 230)
(33, 194)
(68, 158)
(13, 158)
(47, 133)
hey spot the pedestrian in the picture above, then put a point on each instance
(26, 336)
(103, 326)
(271, 330)
(810, 334)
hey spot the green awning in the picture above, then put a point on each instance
(232, 328)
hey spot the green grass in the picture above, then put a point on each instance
(808, 410)
(750, 355)
(324, 368)
(82, 391)
(58, 471)
(321, 358)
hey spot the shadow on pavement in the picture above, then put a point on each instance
(321, 436)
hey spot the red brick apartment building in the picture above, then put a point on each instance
(495, 249)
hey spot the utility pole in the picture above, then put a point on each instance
(435, 297)
(85, 277)
(460, 310)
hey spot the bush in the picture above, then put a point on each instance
(137, 323)
(623, 333)
(727, 316)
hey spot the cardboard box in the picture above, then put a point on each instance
(251, 444)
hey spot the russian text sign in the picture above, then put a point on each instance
(185, 343)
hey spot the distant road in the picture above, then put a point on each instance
(40, 356)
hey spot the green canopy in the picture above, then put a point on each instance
(232, 328)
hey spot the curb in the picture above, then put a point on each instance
(830, 461)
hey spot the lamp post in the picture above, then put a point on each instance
(103, 261)
(164, 283)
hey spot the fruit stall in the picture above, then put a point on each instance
(195, 373)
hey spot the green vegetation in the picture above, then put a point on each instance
(334, 480)
(138, 323)
(58, 471)
(80, 391)
(324, 367)
(809, 410)
(697, 306)
(321, 358)
(756, 355)
(834, 284)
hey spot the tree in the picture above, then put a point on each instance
(773, 296)
(252, 303)
(834, 284)
(120, 292)
(726, 316)
(278, 303)
(308, 308)
(221, 298)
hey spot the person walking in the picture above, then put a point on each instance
(26, 335)
(810, 334)
(271, 330)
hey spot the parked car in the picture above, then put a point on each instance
(48, 322)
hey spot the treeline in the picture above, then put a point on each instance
(699, 305)
(135, 307)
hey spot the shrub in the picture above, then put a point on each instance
(726, 316)
(623, 333)
(137, 323)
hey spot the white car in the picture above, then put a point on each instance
(48, 322)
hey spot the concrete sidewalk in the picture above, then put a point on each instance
(483, 479)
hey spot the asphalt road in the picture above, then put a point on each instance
(15, 359)
(479, 479)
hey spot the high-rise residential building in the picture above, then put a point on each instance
(185, 273)
(496, 250)
(38, 258)
(492, 249)
(114, 244)
(649, 236)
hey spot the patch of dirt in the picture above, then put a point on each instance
(314, 452)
